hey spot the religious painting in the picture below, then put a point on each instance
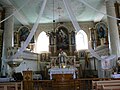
(101, 29)
(101, 33)
(45, 57)
(24, 31)
(42, 57)
(62, 38)
(82, 54)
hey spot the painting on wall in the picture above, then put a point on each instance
(24, 31)
(42, 57)
(101, 33)
(45, 57)
(101, 29)
(62, 38)
(82, 54)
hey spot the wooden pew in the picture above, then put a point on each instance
(110, 87)
(98, 84)
(98, 79)
(11, 86)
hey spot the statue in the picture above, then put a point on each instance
(102, 35)
(62, 58)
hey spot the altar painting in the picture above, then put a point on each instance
(62, 38)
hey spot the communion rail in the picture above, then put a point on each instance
(74, 84)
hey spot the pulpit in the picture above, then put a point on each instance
(27, 77)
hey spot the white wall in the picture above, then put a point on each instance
(27, 64)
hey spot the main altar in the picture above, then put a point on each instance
(62, 63)
(66, 69)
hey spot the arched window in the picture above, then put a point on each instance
(81, 40)
(42, 43)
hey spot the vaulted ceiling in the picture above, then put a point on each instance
(55, 9)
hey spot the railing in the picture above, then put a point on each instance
(74, 84)
(11, 86)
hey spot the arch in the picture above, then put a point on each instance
(42, 43)
(81, 40)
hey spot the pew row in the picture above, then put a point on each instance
(11, 86)
(98, 85)
(111, 86)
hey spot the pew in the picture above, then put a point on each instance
(98, 79)
(93, 85)
(98, 84)
(11, 86)
(110, 87)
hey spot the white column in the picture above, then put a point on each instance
(8, 33)
(113, 33)
(9, 27)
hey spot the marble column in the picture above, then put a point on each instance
(8, 33)
(113, 33)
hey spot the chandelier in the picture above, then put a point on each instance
(54, 23)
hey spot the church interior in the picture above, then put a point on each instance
(59, 45)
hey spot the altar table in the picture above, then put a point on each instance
(115, 76)
(62, 71)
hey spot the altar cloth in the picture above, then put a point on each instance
(115, 76)
(62, 71)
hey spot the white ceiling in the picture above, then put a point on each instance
(82, 12)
